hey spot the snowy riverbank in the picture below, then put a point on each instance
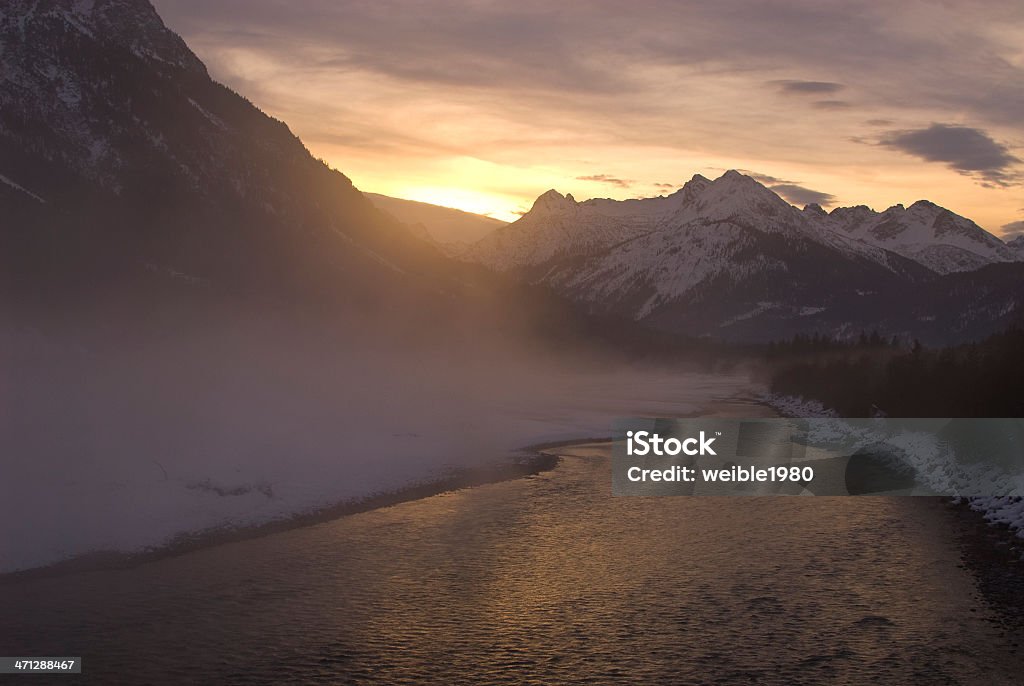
(110, 464)
(1002, 510)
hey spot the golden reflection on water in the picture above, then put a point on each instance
(548, 579)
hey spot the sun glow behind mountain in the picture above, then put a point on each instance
(460, 199)
(483, 106)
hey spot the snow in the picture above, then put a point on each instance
(653, 251)
(16, 186)
(761, 308)
(936, 463)
(125, 455)
(212, 118)
(793, 406)
(924, 232)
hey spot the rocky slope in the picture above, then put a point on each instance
(127, 171)
(924, 232)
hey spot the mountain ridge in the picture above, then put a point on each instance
(887, 229)
(717, 257)
(452, 229)
(128, 170)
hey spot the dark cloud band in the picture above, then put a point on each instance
(808, 87)
(967, 150)
(792, 191)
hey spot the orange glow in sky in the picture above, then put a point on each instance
(482, 106)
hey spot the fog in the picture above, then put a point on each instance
(122, 441)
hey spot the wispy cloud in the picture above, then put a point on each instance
(796, 87)
(389, 90)
(798, 195)
(967, 150)
(1013, 230)
(831, 104)
(610, 180)
(792, 191)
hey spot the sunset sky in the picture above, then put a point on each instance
(485, 105)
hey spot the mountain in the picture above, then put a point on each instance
(451, 229)
(729, 258)
(129, 174)
(926, 233)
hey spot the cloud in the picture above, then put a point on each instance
(666, 186)
(403, 88)
(798, 195)
(761, 178)
(831, 104)
(532, 46)
(1013, 230)
(969, 151)
(792, 191)
(610, 180)
(793, 87)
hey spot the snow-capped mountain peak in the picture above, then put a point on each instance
(728, 244)
(739, 199)
(926, 233)
(553, 201)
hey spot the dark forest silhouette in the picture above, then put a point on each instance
(872, 376)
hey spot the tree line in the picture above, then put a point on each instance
(873, 376)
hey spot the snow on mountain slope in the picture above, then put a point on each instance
(926, 233)
(18, 187)
(728, 255)
(660, 266)
(602, 249)
(558, 227)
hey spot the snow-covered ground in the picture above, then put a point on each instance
(124, 455)
(937, 465)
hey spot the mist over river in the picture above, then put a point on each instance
(544, 579)
(238, 425)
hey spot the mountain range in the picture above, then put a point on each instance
(130, 179)
(729, 258)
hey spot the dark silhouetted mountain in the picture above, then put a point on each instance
(126, 170)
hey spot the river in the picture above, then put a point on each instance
(546, 579)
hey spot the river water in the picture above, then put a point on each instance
(541, 580)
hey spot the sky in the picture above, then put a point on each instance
(485, 105)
